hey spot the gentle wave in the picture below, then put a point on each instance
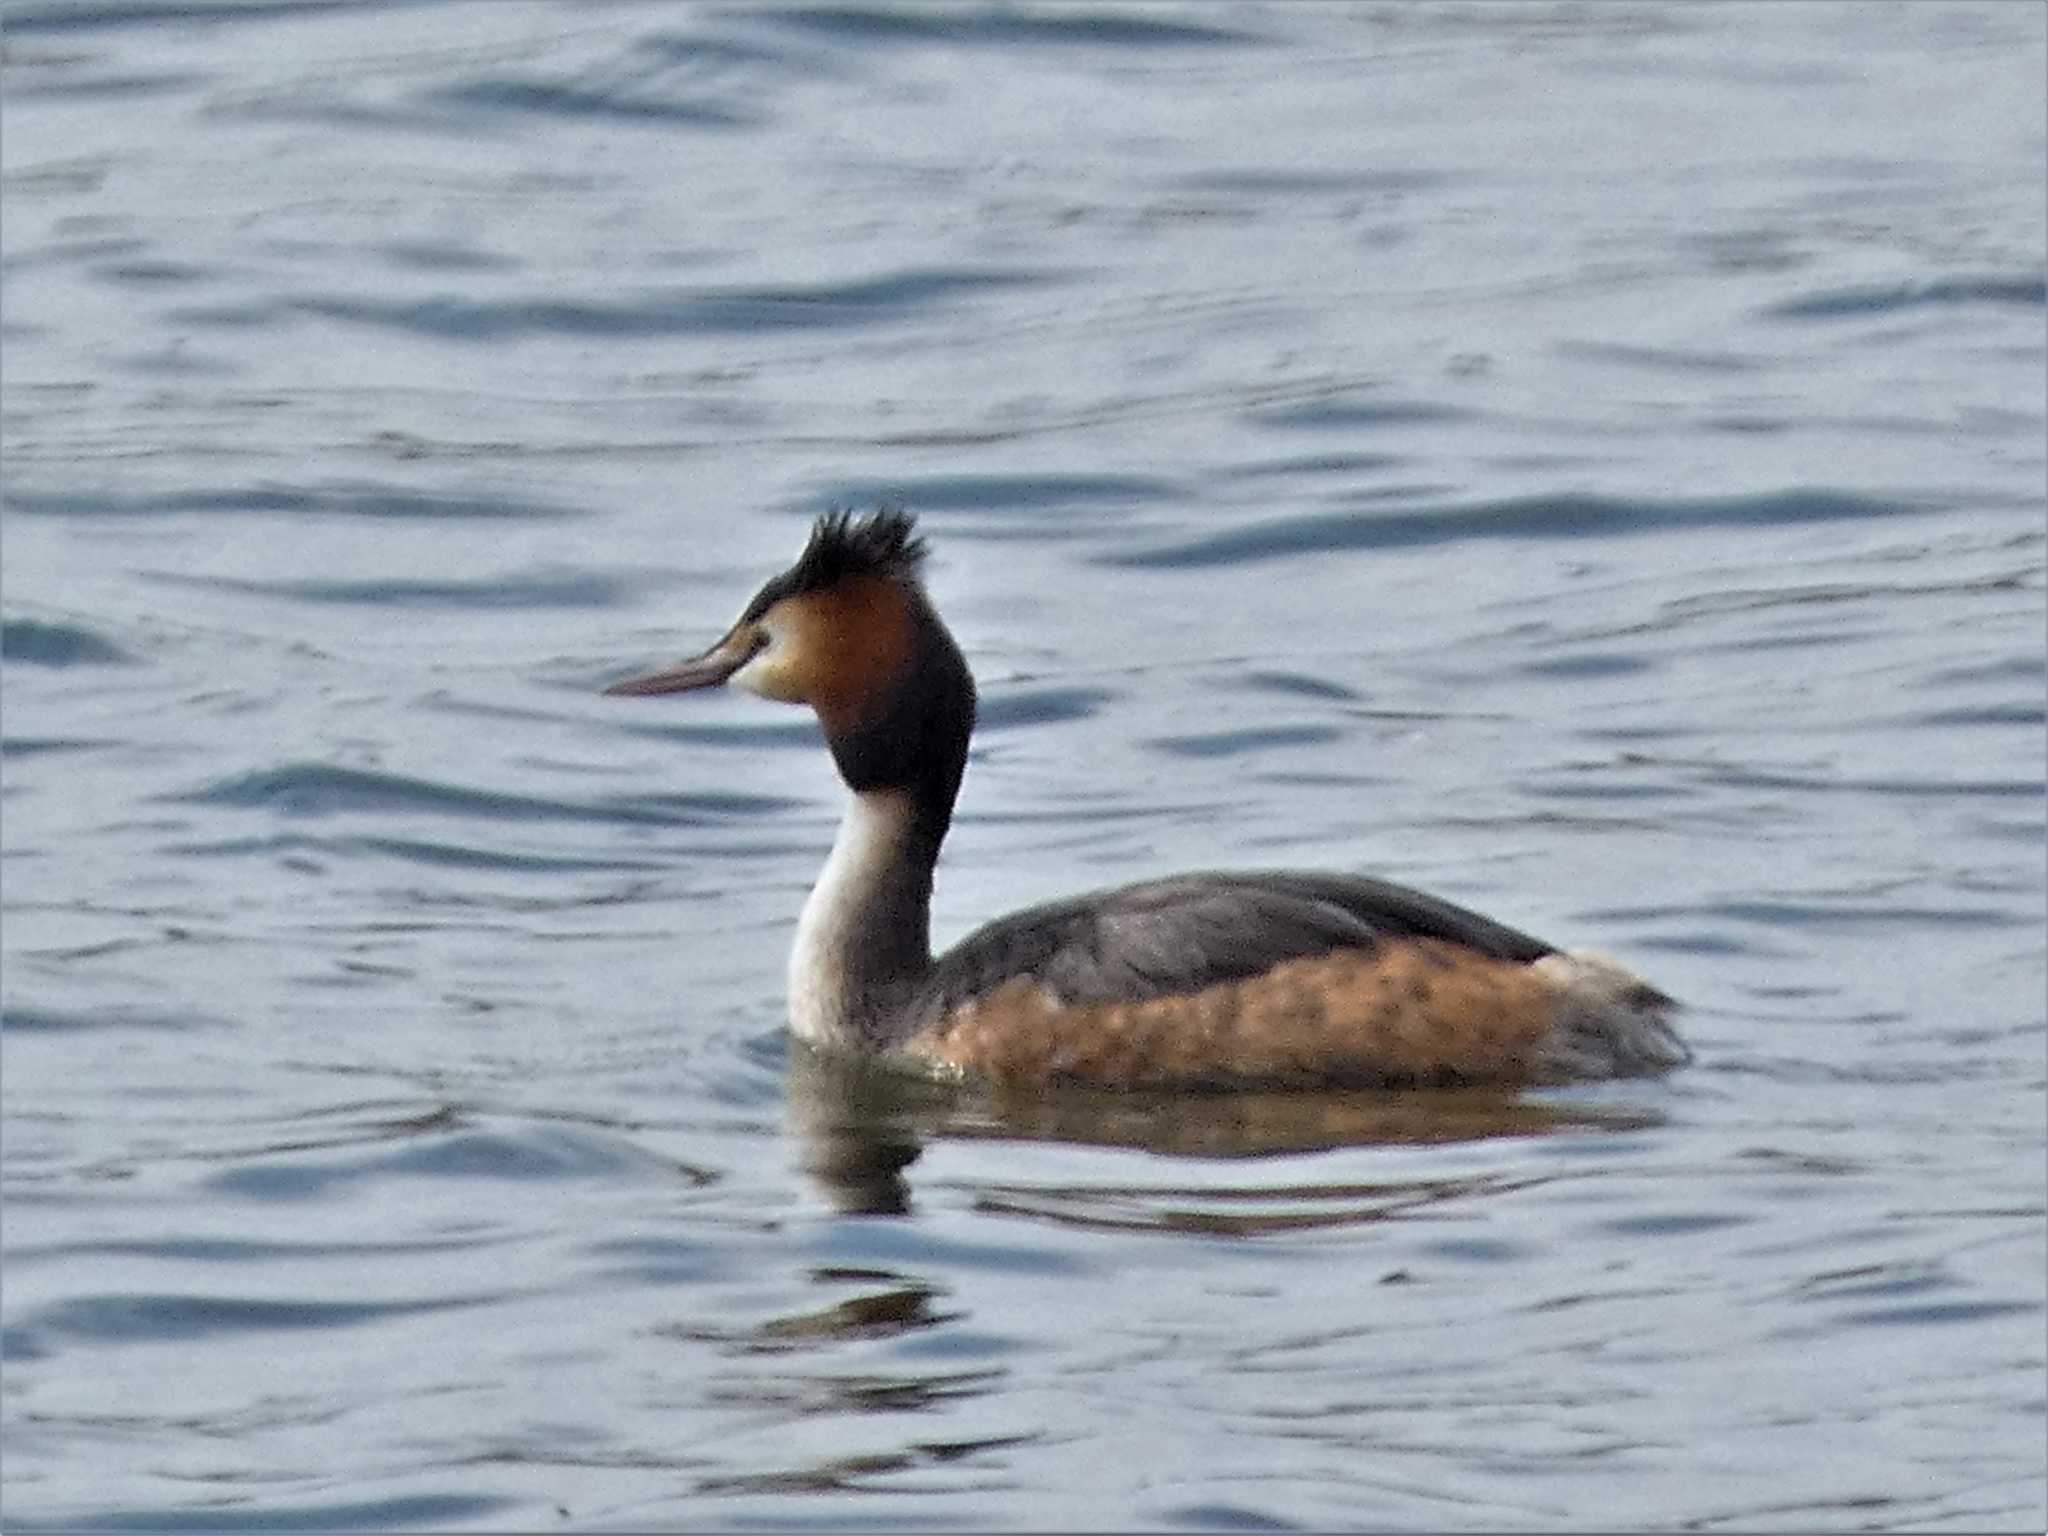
(155, 273)
(1298, 685)
(537, 1155)
(233, 1250)
(434, 855)
(1291, 181)
(1002, 27)
(797, 734)
(411, 1512)
(307, 941)
(44, 643)
(2026, 669)
(1584, 665)
(152, 1318)
(657, 1261)
(995, 493)
(107, 87)
(558, 98)
(1041, 706)
(1989, 714)
(1938, 1312)
(1766, 778)
(1313, 464)
(1236, 743)
(344, 498)
(119, 14)
(536, 589)
(18, 1019)
(324, 789)
(1344, 415)
(1822, 914)
(1664, 359)
(444, 256)
(727, 53)
(1891, 298)
(36, 746)
(1521, 517)
(684, 311)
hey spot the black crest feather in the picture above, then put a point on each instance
(884, 543)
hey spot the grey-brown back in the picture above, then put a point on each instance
(1167, 937)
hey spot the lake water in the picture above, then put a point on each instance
(1584, 460)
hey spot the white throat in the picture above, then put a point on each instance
(863, 941)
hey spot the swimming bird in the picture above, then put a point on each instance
(1258, 979)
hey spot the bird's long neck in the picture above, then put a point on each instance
(863, 944)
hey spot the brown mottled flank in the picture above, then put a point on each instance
(1404, 1012)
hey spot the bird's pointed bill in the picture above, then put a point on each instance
(706, 671)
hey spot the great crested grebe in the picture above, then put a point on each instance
(1220, 980)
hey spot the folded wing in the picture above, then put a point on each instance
(1176, 936)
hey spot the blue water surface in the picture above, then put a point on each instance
(1584, 460)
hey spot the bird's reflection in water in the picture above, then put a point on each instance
(859, 1124)
(862, 1124)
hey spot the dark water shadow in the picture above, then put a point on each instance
(1570, 516)
(1071, 26)
(48, 643)
(122, 15)
(2024, 290)
(876, 299)
(412, 1512)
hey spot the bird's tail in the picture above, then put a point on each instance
(1611, 1023)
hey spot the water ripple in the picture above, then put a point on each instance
(439, 855)
(1000, 26)
(126, 1317)
(1299, 685)
(1822, 914)
(64, 17)
(996, 493)
(444, 256)
(1522, 517)
(324, 789)
(2029, 292)
(1339, 414)
(558, 98)
(1014, 708)
(1313, 464)
(329, 985)
(1235, 743)
(526, 1155)
(1293, 181)
(229, 1250)
(48, 644)
(533, 589)
(21, 1018)
(867, 301)
(36, 746)
(346, 498)
(410, 1512)
(105, 86)
(1760, 778)
(1938, 1312)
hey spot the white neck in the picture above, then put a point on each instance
(863, 943)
